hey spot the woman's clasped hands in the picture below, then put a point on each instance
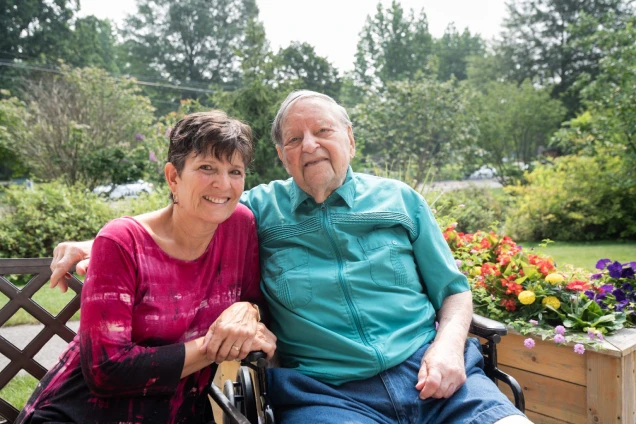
(236, 333)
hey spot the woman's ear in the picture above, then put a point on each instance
(171, 175)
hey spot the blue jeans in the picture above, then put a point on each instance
(389, 397)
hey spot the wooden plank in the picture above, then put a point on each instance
(543, 419)
(226, 371)
(546, 358)
(558, 399)
(624, 340)
(611, 395)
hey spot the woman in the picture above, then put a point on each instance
(168, 293)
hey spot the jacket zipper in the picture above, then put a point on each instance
(345, 288)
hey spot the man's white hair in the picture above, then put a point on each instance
(293, 97)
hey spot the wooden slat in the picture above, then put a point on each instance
(226, 371)
(613, 399)
(542, 419)
(624, 340)
(558, 399)
(551, 360)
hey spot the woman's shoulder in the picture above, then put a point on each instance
(122, 229)
(242, 215)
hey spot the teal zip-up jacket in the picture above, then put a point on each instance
(353, 284)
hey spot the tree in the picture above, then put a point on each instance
(542, 41)
(92, 43)
(424, 123)
(34, 28)
(299, 64)
(612, 95)
(189, 42)
(514, 123)
(81, 126)
(453, 51)
(392, 47)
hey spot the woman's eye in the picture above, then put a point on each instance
(237, 172)
(205, 167)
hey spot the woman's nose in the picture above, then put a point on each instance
(221, 180)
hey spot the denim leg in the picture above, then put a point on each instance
(297, 398)
(478, 401)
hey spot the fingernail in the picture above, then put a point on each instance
(67, 275)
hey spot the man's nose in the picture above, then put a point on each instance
(310, 143)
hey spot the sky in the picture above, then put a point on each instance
(333, 26)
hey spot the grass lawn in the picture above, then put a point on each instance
(50, 299)
(586, 254)
(18, 390)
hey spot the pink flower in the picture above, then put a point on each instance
(579, 348)
(534, 322)
(559, 329)
(436, 325)
(529, 343)
(559, 338)
(152, 157)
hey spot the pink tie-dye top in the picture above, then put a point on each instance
(139, 306)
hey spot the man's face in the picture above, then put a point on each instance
(317, 147)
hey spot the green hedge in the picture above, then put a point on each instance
(577, 198)
(33, 222)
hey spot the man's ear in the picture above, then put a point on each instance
(352, 142)
(171, 175)
(280, 156)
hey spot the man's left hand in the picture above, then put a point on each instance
(442, 372)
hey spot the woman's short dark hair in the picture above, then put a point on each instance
(212, 133)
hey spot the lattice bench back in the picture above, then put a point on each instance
(53, 325)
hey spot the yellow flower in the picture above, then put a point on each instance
(476, 271)
(552, 301)
(527, 297)
(554, 278)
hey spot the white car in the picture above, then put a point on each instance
(128, 190)
(483, 173)
(131, 190)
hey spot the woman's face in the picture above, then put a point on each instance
(208, 188)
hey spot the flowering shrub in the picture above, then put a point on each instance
(615, 287)
(527, 291)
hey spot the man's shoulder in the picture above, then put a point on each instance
(267, 192)
(370, 183)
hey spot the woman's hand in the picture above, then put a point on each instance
(233, 333)
(65, 256)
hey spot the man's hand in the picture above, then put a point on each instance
(442, 372)
(65, 256)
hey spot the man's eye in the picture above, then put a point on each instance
(237, 172)
(205, 167)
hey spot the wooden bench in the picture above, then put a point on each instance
(21, 298)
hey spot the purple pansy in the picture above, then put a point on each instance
(602, 264)
(596, 276)
(615, 270)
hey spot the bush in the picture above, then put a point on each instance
(576, 198)
(35, 221)
(474, 208)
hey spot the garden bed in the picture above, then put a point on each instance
(561, 386)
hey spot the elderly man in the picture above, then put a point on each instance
(356, 271)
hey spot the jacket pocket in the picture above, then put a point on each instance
(390, 257)
(288, 269)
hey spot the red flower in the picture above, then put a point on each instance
(510, 304)
(485, 244)
(578, 285)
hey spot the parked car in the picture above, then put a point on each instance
(483, 173)
(121, 191)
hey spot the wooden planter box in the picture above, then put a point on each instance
(561, 386)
